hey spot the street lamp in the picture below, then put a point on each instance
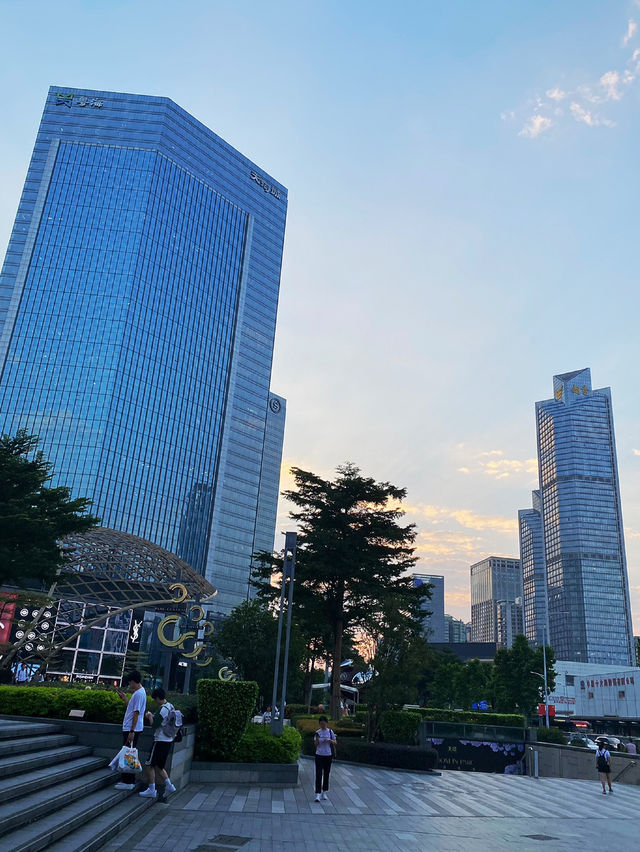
(544, 676)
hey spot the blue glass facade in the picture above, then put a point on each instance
(496, 600)
(533, 575)
(138, 305)
(434, 625)
(584, 552)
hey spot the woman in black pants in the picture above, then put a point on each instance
(325, 741)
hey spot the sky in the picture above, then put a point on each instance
(463, 220)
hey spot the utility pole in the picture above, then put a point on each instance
(288, 573)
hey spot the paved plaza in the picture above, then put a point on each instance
(379, 809)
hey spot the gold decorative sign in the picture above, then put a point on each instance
(197, 616)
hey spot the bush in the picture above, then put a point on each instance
(387, 754)
(510, 720)
(224, 711)
(98, 704)
(310, 726)
(551, 735)
(400, 726)
(258, 745)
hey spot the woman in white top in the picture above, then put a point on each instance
(325, 741)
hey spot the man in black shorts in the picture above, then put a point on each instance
(162, 742)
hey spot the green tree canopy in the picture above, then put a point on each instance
(352, 555)
(519, 686)
(34, 516)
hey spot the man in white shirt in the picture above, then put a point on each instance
(133, 722)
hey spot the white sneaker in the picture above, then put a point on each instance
(317, 798)
(325, 797)
(148, 794)
(122, 786)
(169, 787)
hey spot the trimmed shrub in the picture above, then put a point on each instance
(400, 726)
(551, 735)
(99, 705)
(382, 754)
(258, 745)
(224, 711)
(432, 714)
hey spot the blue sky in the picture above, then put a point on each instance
(463, 200)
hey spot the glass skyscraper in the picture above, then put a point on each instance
(496, 600)
(532, 564)
(434, 625)
(138, 306)
(589, 613)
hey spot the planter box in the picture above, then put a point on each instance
(255, 774)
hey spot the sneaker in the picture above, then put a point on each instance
(169, 787)
(122, 786)
(604, 792)
(317, 798)
(325, 797)
(610, 791)
(148, 794)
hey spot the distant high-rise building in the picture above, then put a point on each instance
(496, 600)
(468, 630)
(533, 576)
(456, 629)
(589, 612)
(434, 624)
(138, 304)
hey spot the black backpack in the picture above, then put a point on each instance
(602, 762)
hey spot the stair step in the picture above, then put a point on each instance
(26, 783)
(19, 763)
(48, 829)
(11, 730)
(93, 836)
(27, 744)
(47, 801)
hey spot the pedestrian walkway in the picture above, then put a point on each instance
(378, 809)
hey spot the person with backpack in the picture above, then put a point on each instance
(166, 722)
(603, 764)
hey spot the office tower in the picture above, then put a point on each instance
(532, 563)
(496, 600)
(434, 624)
(456, 629)
(586, 571)
(139, 297)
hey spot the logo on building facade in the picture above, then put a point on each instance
(67, 99)
(274, 405)
(268, 187)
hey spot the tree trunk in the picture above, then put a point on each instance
(335, 670)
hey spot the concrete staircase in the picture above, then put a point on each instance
(55, 795)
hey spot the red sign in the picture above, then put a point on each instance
(541, 710)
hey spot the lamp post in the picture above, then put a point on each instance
(288, 572)
(544, 675)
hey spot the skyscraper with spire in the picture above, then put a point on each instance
(585, 566)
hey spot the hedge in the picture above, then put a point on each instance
(382, 754)
(99, 705)
(432, 714)
(551, 735)
(224, 711)
(400, 726)
(310, 726)
(258, 745)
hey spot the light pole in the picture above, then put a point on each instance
(544, 675)
(288, 571)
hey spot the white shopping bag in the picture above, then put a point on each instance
(126, 760)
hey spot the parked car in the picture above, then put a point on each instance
(582, 741)
(614, 742)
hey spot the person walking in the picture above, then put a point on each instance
(21, 674)
(325, 741)
(164, 733)
(603, 764)
(133, 722)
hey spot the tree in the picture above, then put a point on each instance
(352, 553)
(519, 685)
(33, 515)
(248, 638)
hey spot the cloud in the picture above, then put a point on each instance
(535, 125)
(466, 518)
(466, 469)
(636, 452)
(587, 117)
(544, 112)
(492, 463)
(436, 545)
(632, 28)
